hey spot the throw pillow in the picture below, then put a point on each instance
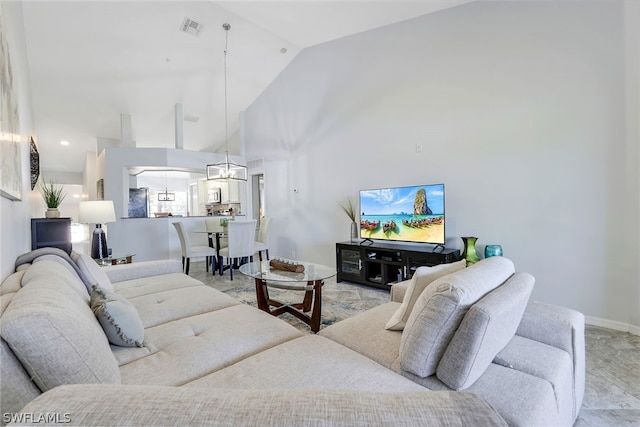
(94, 273)
(486, 329)
(54, 334)
(119, 318)
(420, 280)
(440, 309)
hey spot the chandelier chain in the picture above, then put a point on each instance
(227, 170)
(226, 119)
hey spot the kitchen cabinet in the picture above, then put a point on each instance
(230, 192)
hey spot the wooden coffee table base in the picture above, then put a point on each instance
(312, 302)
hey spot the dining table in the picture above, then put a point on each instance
(212, 234)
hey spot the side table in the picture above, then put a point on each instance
(115, 260)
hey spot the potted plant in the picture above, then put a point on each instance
(350, 210)
(53, 195)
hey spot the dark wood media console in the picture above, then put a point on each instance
(379, 264)
(51, 232)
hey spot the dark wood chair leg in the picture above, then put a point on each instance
(230, 269)
(267, 252)
(213, 265)
(221, 264)
(260, 255)
(188, 263)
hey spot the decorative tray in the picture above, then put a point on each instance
(285, 265)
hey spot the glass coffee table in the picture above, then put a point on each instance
(310, 281)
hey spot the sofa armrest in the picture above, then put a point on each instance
(105, 404)
(562, 328)
(398, 290)
(137, 270)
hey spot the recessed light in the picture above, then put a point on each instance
(65, 143)
(76, 196)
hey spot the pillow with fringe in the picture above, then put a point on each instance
(118, 317)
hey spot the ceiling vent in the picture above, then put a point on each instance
(192, 27)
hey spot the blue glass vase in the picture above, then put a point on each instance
(492, 250)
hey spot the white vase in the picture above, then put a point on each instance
(52, 213)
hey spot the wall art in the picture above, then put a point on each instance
(10, 138)
(34, 162)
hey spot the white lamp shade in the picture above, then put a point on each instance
(96, 212)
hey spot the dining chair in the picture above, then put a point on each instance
(216, 234)
(242, 236)
(189, 251)
(262, 242)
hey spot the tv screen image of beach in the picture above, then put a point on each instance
(409, 214)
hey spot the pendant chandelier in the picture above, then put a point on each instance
(166, 196)
(227, 170)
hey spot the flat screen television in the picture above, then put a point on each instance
(407, 214)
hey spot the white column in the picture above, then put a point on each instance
(179, 124)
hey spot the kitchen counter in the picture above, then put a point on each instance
(156, 238)
(185, 217)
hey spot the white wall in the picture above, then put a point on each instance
(520, 108)
(632, 90)
(15, 216)
(15, 225)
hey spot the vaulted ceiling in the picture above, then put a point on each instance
(91, 62)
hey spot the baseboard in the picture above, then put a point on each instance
(612, 324)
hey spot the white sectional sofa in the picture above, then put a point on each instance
(525, 358)
(209, 360)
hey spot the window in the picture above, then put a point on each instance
(177, 207)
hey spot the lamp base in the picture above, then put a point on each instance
(99, 248)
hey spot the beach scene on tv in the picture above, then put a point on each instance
(411, 214)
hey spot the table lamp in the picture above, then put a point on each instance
(98, 213)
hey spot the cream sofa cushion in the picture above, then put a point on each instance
(440, 308)
(187, 349)
(56, 269)
(173, 304)
(419, 282)
(180, 406)
(16, 387)
(365, 334)
(308, 362)
(486, 329)
(54, 334)
(94, 273)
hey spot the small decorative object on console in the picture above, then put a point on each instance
(350, 210)
(469, 252)
(286, 265)
(492, 250)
